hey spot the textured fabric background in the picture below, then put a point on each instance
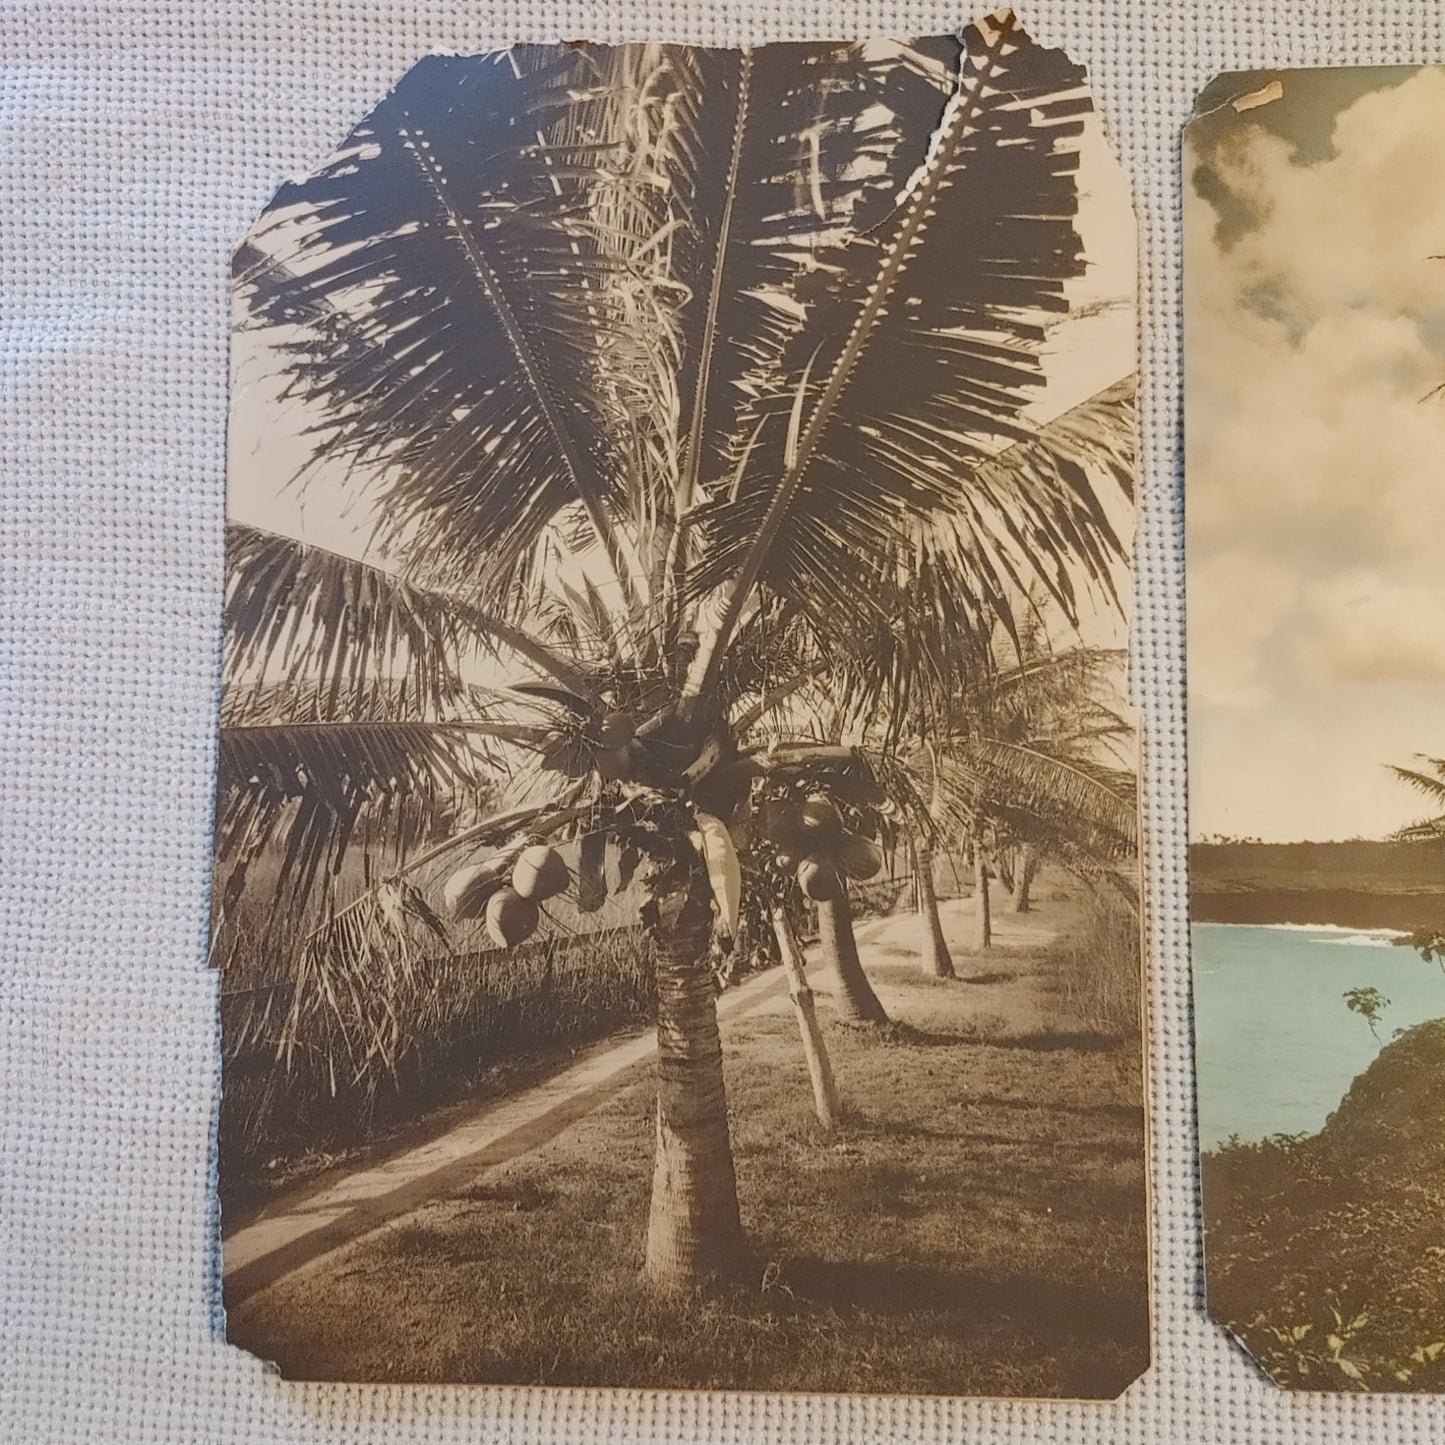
(139, 140)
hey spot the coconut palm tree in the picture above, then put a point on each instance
(641, 359)
(932, 662)
(821, 825)
(1027, 864)
(976, 681)
(1031, 763)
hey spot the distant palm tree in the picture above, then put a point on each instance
(1019, 722)
(648, 362)
(1025, 761)
(1018, 753)
(1429, 781)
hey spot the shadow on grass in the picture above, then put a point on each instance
(965, 1304)
(518, 1195)
(1036, 1041)
(1123, 1113)
(1083, 1041)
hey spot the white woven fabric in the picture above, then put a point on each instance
(140, 137)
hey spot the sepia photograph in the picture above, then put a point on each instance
(676, 893)
(1314, 425)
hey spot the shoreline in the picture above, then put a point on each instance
(1340, 908)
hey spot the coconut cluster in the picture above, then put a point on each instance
(508, 890)
(811, 839)
(816, 846)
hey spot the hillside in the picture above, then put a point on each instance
(1358, 884)
(1324, 1252)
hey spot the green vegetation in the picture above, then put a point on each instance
(1388, 866)
(1369, 1003)
(1325, 1252)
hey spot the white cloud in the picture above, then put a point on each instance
(1359, 228)
(1374, 628)
(1240, 599)
(1315, 490)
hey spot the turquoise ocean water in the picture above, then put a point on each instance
(1275, 1046)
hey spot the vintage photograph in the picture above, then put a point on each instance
(1315, 425)
(676, 888)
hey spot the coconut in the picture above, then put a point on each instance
(779, 822)
(860, 858)
(820, 815)
(540, 873)
(818, 881)
(724, 790)
(510, 917)
(616, 729)
(465, 893)
(614, 764)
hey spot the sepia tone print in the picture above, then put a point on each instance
(1315, 356)
(676, 843)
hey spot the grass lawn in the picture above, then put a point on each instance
(977, 1227)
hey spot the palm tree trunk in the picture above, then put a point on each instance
(983, 920)
(852, 993)
(694, 1232)
(937, 961)
(1028, 862)
(815, 1051)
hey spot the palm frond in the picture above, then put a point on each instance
(307, 613)
(1431, 785)
(1073, 797)
(453, 231)
(297, 793)
(777, 150)
(266, 702)
(920, 356)
(1427, 830)
(360, 986)
(361, 980)
(941, 596)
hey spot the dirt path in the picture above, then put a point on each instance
(305, 1225)
(302, 1226)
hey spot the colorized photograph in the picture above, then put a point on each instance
(1314, 394)
(676, 889)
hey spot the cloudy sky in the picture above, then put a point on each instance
(1315, 453)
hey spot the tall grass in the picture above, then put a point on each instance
(1099, 967)
(466, 1014)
